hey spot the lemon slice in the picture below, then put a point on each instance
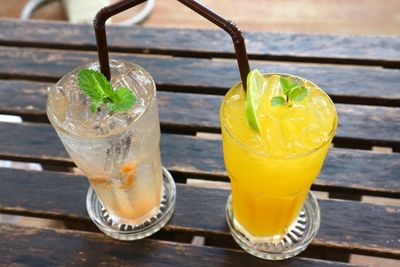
(256, 84)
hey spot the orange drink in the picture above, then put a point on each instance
(273, 151)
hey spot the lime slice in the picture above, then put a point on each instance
(256, 84)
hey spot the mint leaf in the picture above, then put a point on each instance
(100, 91)
(122, 101)
(278, 101)
(94, 84)
(287, 86)
(298, 93)
(95, 105)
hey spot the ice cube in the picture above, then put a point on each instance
(74, 97)
(313, 136)
(274, 86)
(272, 136)
(119, 120)
(319, 102)
(291, 127)
(74, 110)
(57, 92)
(322, 113)
(57, 103)
(116, 154)
(318, 123)
(98, 121)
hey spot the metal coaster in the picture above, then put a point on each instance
(300, 234)
(107, 225)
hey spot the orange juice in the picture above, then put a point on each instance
(271, 170)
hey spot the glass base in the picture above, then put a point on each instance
(301, 233)
(110, 227)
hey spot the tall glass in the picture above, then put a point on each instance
(270, 186)
(118, 152)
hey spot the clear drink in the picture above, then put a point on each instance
(118, 152)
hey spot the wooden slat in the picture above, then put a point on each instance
(347, 84)
(345, 170)
(344, 49)
(358, 124)
(351, 226)
(24, 246)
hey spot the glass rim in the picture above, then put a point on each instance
(57, 125)
(292, 156)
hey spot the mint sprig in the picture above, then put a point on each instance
(293, 92)
(100, 91)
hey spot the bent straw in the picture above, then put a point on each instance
(227, 25)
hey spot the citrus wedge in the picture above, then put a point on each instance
(256, 85)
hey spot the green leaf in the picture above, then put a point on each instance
(100, 91)
(287, 86)
(94, 85)
(298, 93)
(123, 100)
(95, 105)
(278, 101)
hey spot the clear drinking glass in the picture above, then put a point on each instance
(271, 213)
(118, 152)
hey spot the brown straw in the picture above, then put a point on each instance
(107, 12)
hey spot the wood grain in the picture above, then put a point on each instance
(354, 171)
(322, 48)
(339, 16)
(376, 87)
(181, 112)
(61, 195)
(75, 248)
(346, 226)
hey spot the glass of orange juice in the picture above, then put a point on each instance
(275, 139)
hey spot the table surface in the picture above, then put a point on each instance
(192, 70)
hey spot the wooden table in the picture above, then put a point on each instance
(192, 70)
